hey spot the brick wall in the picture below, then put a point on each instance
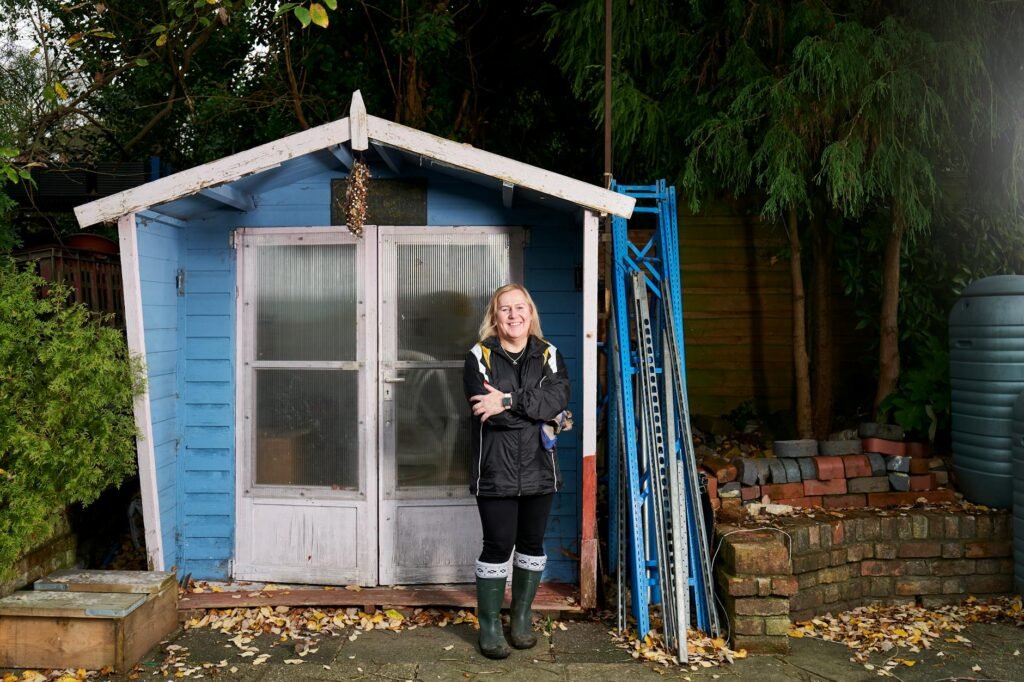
(834, 563)
(55, 552)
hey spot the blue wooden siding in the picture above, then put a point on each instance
(159, 253)
(206, 516)
(208, 414)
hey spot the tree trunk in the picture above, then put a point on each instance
(888, 323)
(412, 102)
(801, 363)
(824, 367)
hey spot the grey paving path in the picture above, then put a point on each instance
(583, 652)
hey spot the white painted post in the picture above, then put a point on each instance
(131, 279)
(588, 522)
(357, 121)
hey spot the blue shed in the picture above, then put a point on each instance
(303, 419)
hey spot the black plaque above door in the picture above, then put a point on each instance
(390, 201)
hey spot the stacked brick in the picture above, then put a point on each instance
(932, 557)
(876, 470)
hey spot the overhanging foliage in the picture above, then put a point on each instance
(66, 392)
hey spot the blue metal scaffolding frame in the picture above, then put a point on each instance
(658, 263)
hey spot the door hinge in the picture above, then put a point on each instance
(179, 282)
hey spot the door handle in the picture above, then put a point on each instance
(393, 380)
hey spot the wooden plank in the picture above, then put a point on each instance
(735, 306)
(70, 604)
(392, 160)
(357, 120)
(726, 256)
(226, 195)
(588, 521)
(134, 321)
(479, 161)
(507, 190)
(550, 597)
(147, 625)
(45, 643)
(219, 172)
(135, 582)
(744, 279)
(343, 155)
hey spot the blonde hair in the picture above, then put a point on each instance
(489, 325)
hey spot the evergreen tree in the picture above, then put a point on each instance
(829, 112)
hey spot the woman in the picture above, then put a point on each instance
(515, 382)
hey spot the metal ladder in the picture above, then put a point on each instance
(656, 534)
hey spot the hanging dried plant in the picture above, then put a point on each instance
(355, 197)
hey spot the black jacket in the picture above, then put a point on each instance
(509, 457)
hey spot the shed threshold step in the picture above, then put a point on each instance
(550, 597)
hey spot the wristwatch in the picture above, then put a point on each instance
(506, 401)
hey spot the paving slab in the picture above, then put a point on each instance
(584, 651)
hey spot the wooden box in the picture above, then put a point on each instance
(88, 619)
(279, 458)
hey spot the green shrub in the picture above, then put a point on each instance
(921, 403)
(66, 392)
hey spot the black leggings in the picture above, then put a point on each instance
(513, 521)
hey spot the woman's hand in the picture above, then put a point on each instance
(487, 404)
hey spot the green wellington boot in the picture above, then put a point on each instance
(524, 589)
(490, 592)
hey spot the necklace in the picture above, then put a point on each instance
(514, 360)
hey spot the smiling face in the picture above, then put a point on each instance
(513, 317)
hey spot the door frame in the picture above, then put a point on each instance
(375, 541)
(388, 505)
(245, 564)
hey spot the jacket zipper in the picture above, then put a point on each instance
(519, 455)
(519, 464)
(554, 472)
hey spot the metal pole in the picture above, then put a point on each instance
(607, 93)
(658, 480)
(680, 555)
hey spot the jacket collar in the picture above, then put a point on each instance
(534, 345)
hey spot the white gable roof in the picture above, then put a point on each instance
(359, 129)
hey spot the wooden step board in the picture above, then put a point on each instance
(135, 582)
(68, 623)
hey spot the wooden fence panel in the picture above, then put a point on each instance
(95, 278)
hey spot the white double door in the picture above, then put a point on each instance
(352, 432)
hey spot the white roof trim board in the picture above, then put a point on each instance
(395, 135)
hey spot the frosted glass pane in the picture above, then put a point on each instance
(441, 290)
(432, 429)
(307, 428)
(442, 293)
(306, 302)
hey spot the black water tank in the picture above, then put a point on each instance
(986, 339)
